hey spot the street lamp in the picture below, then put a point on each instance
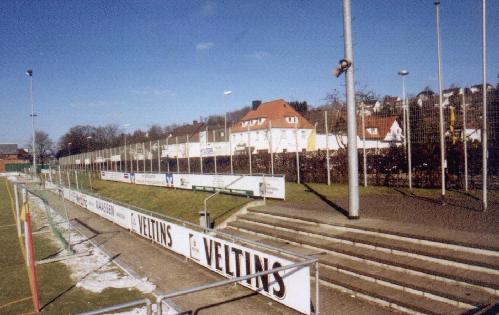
(407, 126)
(226, 93)
(29, 73)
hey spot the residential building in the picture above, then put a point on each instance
(276, 124)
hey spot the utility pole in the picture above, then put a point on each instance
(440, 107)
(353, 168)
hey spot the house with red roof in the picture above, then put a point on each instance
(272, 125)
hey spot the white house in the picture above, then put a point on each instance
(275, 126)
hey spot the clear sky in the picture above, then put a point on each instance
(146, 62)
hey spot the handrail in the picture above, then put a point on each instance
(120, 306)
(220, 283)
(205, 201)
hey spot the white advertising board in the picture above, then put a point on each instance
(78, 161)
(99, 159)
(87, 161)
(247, 185)
(289, 287)
(116, 176)
(116, 158)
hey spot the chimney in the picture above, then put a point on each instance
(255, 104)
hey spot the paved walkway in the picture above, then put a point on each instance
(171, 272)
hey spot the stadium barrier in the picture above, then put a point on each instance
(276, 278)
(249, 185)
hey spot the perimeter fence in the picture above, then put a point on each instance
(387, 134)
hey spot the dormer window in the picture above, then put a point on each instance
(373, 131)
(292, 120)
(245, 123)
(261, 120)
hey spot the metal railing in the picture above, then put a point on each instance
(219, 190)
(121, 306)
(221, 283)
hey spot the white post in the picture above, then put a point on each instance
(76, 178)
(297, 154)
(230, 151)
(69, 178)
(24, 193)
(176, 144)
(187, 151)
(59, 172)
(327, 151)
(249, 150)
(126, 167)
(159, 158)
(271, 149)
(214, 154)
(409, 150)
(167, 156)
(137, 158)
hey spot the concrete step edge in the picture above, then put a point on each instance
(382, 264)
(445, 261)
(418, 239)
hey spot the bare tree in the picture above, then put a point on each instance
(44, 146)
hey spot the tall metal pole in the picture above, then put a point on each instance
(364, 159)
(353, 168)
(407, 126)
(484, 97)
(29, 72)
(465, 142)
(327, 150)
(297, 154)
(441, 108)
(226, 94)
(137, 158)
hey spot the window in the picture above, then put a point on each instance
(292, 120)
(283, 134)
(372, 130)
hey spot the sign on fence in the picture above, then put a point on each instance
(290, 287)
(256, 186)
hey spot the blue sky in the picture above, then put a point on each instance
(146, 62)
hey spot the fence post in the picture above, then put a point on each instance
(18, 219)
(327, 151)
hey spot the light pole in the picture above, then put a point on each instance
(29, 73)
(407, 126)
(226, 94)
(440, 102)
(484, 97)
(353, 168)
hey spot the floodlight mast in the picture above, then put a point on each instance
(29, 73)
(345, 65)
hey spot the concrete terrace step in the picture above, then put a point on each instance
(475, 259)
(452, 291)
(390, 295)
(477, 278)
(433, 234)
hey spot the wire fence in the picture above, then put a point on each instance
(385, 130)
